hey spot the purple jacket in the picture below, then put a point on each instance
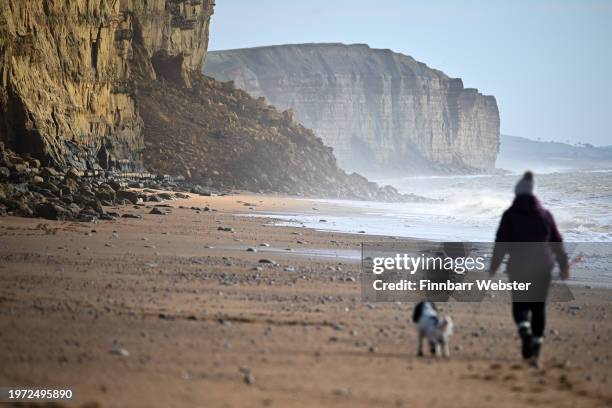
(528, 223)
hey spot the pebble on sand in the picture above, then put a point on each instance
(118, 351)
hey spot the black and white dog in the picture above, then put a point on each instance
(430, 326)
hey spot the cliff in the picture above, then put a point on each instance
(66, 67)
(378, 109)
(117, 85)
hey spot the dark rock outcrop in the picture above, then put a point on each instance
(29, 190)
(378, 109)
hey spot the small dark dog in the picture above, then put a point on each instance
(430, 326)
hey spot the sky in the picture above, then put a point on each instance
(548, 63)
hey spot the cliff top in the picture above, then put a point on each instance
(346, 58)
(280, 60)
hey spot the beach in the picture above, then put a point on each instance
(211, 306)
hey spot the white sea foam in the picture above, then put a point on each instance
(468, 208)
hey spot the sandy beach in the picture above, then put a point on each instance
(174, 311)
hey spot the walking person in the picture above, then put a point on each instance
(528, 234)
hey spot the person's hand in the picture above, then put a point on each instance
(565, 272)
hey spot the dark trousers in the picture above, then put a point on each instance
(533, 312)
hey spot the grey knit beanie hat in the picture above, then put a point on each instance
(525, 184)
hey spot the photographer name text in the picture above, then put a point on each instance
(426, 284)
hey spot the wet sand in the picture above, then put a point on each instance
(171, 311)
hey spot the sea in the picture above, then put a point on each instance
(469, 207)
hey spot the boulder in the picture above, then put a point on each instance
(5, 160)
(157, 211)
(105, 193)
(51, 211)
(135, 184)
(131, 196)
(19, 169)
(73, 174)
(70, 185)
(95, 206)
(67, 199)
(128, 215)
(166, 196)
(74, 209)
(24, 210)
(47, 193)
(49, 186)
(47, 172)
(197, 189)
(115, 185)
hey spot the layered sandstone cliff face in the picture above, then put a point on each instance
(378, 109)
(66, 69)
(117, 84)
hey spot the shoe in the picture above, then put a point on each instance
(536, 346)
(526, 342)
(535, 362)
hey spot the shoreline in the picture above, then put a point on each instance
(124, 311)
